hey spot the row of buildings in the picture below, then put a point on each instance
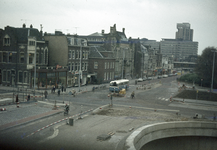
(31, 58)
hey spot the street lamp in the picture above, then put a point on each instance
(213, 68)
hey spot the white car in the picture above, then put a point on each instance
(165, 76)
(140, 80)
(150, 78)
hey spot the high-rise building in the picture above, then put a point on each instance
(182, 46)
(184, 32)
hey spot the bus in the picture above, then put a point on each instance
(118, 85)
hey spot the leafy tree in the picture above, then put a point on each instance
(204, 67)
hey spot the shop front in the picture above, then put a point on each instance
(48, 78)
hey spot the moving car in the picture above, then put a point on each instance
(140, 80)
(165, 76)
(159, 77)
(150, 78)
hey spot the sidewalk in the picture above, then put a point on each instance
(195, 101)
(29, 119)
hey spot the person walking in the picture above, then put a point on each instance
(62, 88)
(133, 95)
(45, 94)
(17, 100)
(54, 88)
(28, 98)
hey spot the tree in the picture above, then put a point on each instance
(204, 67)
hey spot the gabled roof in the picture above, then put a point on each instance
(99, 52)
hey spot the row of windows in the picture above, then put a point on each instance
(8, 56)
(75, 54)
(76, 66)
(108, 75)
(22, 76)
(112, 65)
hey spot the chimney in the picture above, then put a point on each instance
(111, 30)
(123, 30)
(24, 25)
(103, 31)
(31, 26)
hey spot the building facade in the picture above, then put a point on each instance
(69, 51)
(21, 50)
(101, 65)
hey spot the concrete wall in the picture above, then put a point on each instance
(148, 133)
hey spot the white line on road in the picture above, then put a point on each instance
(149, 108)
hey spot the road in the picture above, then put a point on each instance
(157, 98)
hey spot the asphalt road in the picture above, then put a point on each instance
(155, 98)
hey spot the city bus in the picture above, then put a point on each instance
(117, 85)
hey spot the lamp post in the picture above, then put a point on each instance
(213, 68)
(79, 79)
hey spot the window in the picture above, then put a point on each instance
(6, 41)
(21, 57)
(70, 54)
(95, 65)
(10, 57)
(83, 54)
(31, 58)
(113, 64)
(25, 77)
(77, 54)
(86, 55)
(73, 54)
(31, 43)
(8, 76)
(46, 56)
(42, 57)
(72, 66)
(37, 57)
(5, 57)
(4, 75)
(20, 77)
(86, 66)
(76, 66)
(82, 67)
(105, 76)
(105, 65)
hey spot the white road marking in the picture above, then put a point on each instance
(55, 134)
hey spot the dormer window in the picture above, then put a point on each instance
(6, 41)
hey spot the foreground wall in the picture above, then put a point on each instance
(149, 133)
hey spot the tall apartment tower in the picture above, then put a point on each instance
(184, 32)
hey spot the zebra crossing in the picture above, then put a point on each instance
(163, 99)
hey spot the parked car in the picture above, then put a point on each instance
(165, 76)
(150, 78)
(140, 80)
(144, 78)
(159, 77)
(170, 75)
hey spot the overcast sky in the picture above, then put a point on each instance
(152, 19)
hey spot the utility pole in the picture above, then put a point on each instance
(80, 69)
(213, 69)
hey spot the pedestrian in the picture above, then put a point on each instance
(58, 92)
(17, 99)
(28, 98)
(214, 117)
(111, 96)
(54, 88)
(45, 94)
(67, 109)
(93, 89)
(62, 88)
(133, 94)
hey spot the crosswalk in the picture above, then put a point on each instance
(163, 99)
